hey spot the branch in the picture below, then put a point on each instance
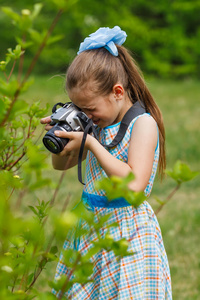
(11, 70)
(21, 61)
(40, 269)
(69, 276)
(168, 198)
(43, 44)
(30, 69)
(15, 162)
(57, 188)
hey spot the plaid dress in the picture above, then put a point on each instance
(144, 275)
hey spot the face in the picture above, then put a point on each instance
(103, 110)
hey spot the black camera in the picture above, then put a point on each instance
(66, 118)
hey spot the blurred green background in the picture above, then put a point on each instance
(164, 37)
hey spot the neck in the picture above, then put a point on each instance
(126, 105)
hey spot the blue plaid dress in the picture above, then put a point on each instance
(145, 275)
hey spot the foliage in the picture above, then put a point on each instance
(181, 173)
(28, 241)
(116, 187)
(163, 35)
(26, 246)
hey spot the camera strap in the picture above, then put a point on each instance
(135, 110)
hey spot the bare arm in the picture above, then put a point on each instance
(140, 155)
(66, 161)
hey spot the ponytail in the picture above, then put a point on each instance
(138, 91)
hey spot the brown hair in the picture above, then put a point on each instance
(104, 70)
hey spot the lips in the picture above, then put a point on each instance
(96, 122)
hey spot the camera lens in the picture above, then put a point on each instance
(53, 143)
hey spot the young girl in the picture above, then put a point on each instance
(104, 82)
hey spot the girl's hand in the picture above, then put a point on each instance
(74, 144)
(69, 156)
(47, 121)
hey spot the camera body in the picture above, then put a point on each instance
(66, 118)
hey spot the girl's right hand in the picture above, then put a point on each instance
(69, 156)
(47, 121)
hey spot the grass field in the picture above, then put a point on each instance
(180, 218)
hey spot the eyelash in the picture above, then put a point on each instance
(90, 109)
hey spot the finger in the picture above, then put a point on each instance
(45, 120)
(48, 127)
(64, 134)
(67, 150)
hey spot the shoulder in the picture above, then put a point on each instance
(145, 128)
(144, 121)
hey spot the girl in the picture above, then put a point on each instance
(104, 82)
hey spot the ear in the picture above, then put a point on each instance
(118, 90)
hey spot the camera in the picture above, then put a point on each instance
(66, 118)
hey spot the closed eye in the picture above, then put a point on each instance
(88, 109)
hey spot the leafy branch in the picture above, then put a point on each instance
(180, 173)
(32, 64)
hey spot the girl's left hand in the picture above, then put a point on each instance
(46, 121)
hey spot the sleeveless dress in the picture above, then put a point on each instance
(145, 275)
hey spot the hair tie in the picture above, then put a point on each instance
(104, 37)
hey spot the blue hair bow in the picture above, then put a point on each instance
(104, 37)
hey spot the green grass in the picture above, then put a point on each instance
(180, 218)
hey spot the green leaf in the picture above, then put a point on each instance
(19, 108)
(36, 110)
(30, 278)
(135, 198)
(104, 242)
(59, 282)
(63, 4)
(33, 209)
(16, 53)
(130, 177)
(120, 248)
(181, 172)
(92, 251)
(83, 272)
(8, 88)
(36, 158)
(117, 187)
(10, 13)
(64, 223)
(24, 44)
(55, 39)
(2, 108)
(54, 250)
(36, 36)
(101, 221)
(36, 10)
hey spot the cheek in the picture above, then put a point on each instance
(95, 114)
